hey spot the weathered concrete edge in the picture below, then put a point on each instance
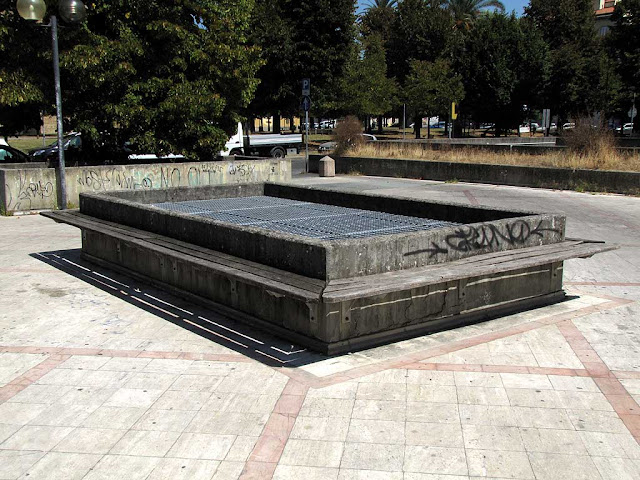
(612, 181)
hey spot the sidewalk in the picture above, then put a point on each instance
(102, 376)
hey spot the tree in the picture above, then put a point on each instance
(166, 76)
(624, 49)
(503, 63)
(378, 19)
(577, 61)
(430, 89)
(465, 12)
(366, 89)
(26, 78)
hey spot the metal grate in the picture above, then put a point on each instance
(326, 222)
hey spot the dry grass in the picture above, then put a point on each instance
(604, 157)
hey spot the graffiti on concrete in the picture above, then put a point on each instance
(111, 179)
(487, 236)
(27, 192)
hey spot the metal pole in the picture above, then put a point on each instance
(404, 121)
(56, 74)
(306, 141)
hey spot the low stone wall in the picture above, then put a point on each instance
(612, 181)
(29, 188)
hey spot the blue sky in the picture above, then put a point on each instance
(517, 5)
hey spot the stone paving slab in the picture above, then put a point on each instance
(103, 377)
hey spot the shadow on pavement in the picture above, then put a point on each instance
(213, 326)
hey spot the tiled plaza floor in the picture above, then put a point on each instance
(104, 377)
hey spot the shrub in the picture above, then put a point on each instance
(348, 134)
(594, 144)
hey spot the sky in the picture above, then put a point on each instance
(517, 5)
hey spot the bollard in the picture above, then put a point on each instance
(327, 167)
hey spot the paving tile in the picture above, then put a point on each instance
(93, 396)
(447, 461)
(7, 430)
(241, 402)
(327, 407)
(346, 390)
(432, 412)
(150, 380)
(202, 446)
(181, 400)
(486, 437)
(112, 467)
(133, 397)
(376, 431)
(32, 437)
(430, 377)
(348, 474)
(312, 453)
(241, 448)
(595, 421)
(196, 383)
(388, 391)
(62, 466)
(602, 444)
(526, 397)
(61, 376)
(13, 463)
(183, 469)
(164, 420)
(432, 393)
(500, 416)
(379, 410)
(553, 441)
(90, 440)
(164, 365)
(386, 376)
(64, 415)
(529, 417)
(228, 423)
(519, 380)
(145, 443)
(105, 379)
(19, 413)
(371, 456)
(584, 400)
(119, 418)
(434, 434)
(45, 394)
(126, 364)
(291, 472)
(577, 384)
(499, 464)
(617, 468)
(478, 379)
(547, 465)
(482, 396)
(84, 362)
(435, 476)
(228, 471)
(319, 428)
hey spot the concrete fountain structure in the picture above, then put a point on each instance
(330, 270)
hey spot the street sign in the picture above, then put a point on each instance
(546, 118)
(633, 111)
(306, 87)
(454, 111)
(306, 103)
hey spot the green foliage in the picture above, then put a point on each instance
(365, 88)
(423, 30)
(166, 76)
(577, 61)
(26, 79)
(302, 40)
(503, 62)
(378, 19)
(465, 12)
(431, 87)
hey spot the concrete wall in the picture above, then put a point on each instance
(543, 177)
(29, 188)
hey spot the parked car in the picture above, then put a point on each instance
(9, 154)
(524, 128)
(568, 126)
(625, 129)
(330, 146)
(72, 144)
(535, 127)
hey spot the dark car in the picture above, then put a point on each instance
(72, 148)
(13, 155)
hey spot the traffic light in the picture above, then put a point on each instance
(454, 111)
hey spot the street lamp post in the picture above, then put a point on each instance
(71, 11)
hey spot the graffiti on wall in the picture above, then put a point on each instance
(28, 192)
(487, 236)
